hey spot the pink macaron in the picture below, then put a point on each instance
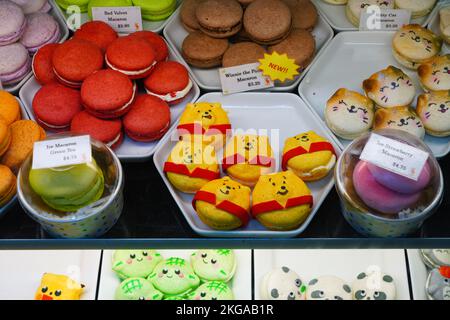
(12, 22)
(15, 63)
(41, 29)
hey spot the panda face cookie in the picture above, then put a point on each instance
(282, 284)
(373, 286)
(137, 289)
(434, 111)
(390, 87)
(349, 114)
(58, 287)
(135, 263)
(213, 290)
(434, 75)
(399, 118)
(438, 284)
(328, 288)
(211, 265)
(435, 258)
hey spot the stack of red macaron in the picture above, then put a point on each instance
(89, 85)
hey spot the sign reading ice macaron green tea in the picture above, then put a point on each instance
(376, 19)
(121, 19)
(243, 78)
(395, 156)
(62, 152)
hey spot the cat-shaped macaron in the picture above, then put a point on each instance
(434, 75)
(434, 110)
(399, 118)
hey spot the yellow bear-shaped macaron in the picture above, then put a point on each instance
(58, 287)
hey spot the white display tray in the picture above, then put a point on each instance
(435, 20)
(419, 274)
(208, 79)
(129, 150)
(241, 284)
(283, 111)
(335, 16)
(21, 271)
(349, 59)
(64, 34)
(346, 264)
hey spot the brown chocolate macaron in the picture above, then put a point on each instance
(242, 53)
(299, 45)
(304, 15)
(187, 14)
(267, 22)
(202, 51)
(220, 18)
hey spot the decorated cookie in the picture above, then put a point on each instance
(438, 284)
(247, 157)
(373, 286)
(390, 87)
(282, 284)
(328, 288)
(213, 290)
(58, 287)
(434, 110)
(214, 265)
(309, 156)
(137, 289)
(435, 258)
(399, 118)
(191, 165)
(434, 75)
(281, 201)
(135, 263)
(174, 276)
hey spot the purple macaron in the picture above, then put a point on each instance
(15, 63)
(32, 6)
(12, 22)
(41, 29)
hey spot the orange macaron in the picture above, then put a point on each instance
(9, 108)
(8, 184)
(5, 137)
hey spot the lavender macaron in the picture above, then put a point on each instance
(41, 29)
(15, 63)
(12, 22)
(32, 6)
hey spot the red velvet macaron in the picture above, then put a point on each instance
(107, 131)
(169, 81)
(108, 94)
(43, 65)
(132, 56)
(75, 60)
(148, 119)
(98, 33)
(158, 43)
(55, 105)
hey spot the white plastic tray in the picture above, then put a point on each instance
(129, 150)
(208, 79)
(419, 274)
(283, 111)
(349, 59)
(335, 16)
(435, 20)
(63, 37)
(21, 271)
(346, 264)
(240, 284)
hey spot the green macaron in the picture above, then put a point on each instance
(107, 3)
(135, 263)
(156, 10)
(82, 4)
(213, 290)
(137, 289)
(218, 265)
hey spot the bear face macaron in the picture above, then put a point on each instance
(281, 201)
(223, 204)
(434, 111)
(399, 118)
(434, 75)
(310, 156)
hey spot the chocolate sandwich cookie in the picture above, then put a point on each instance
(220, 18)
(202, 51)
(299, 45)
(242, 53)
(187, 15)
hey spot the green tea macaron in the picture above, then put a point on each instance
(213, 290)
(82, 4)
(209, 265)
(135, 263)
(156, 10)
(137, 289)
(107, 3)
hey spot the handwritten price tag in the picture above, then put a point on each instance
(62, 152)
(376, 19)
(121, 19)
(242, 78)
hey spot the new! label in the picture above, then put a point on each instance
(394, 156)
(242, 78)
(376, 19)
(62, 152)
(121, 19)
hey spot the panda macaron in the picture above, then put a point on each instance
(328, 288)
(374, 285)
(282, 284)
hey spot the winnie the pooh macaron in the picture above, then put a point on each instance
(309, 156)
(247, 157)
(281, 201)
(223, 204)
(191, 165)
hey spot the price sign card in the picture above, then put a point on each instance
(394, 156)
(121, 19)
(376, 19)
(242, 78)
(62, 152)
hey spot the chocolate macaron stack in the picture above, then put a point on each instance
(234, 32)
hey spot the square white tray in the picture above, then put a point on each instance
(241, 284)
(335, 16)
(63, 37)
(285, 112)
(350, 58)
(419, 274)
(346, 264)
(21, 271)
(435, 20)
(129, 150)
(208, 79)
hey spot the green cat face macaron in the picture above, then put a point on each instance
(213, 290)
(135, 263)
(137, 289)
(210, 265)
(174, 277)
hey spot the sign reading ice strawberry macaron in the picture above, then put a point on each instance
(121, 19)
